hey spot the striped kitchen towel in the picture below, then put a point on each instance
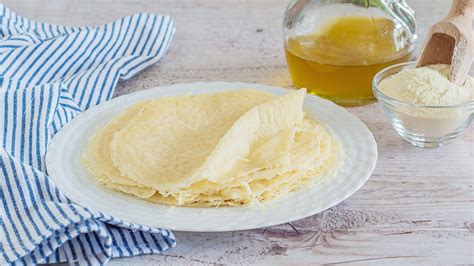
(48, 75)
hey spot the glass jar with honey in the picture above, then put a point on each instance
(335, 47)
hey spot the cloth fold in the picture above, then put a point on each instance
(48, 75)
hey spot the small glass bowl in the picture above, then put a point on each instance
(419, 125)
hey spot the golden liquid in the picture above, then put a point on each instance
(339, 61)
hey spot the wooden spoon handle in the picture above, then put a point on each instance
(461, 7)
(461, 14)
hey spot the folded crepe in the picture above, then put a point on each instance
(226, 148)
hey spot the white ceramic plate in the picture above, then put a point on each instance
(64, 167)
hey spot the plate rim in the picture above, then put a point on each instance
(52, 146)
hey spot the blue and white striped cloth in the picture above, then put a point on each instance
(49, 74)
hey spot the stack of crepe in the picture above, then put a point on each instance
(222, 149)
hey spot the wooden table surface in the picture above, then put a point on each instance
(416, 208)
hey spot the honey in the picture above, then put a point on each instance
(339, 61)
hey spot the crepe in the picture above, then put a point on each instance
(226, 148)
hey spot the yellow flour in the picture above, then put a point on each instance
(427, 86)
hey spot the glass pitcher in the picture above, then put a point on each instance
(335, 47)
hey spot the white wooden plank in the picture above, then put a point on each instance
(416, 208)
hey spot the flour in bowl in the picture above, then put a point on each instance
(427, 86)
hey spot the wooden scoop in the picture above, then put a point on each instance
(450, 41)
